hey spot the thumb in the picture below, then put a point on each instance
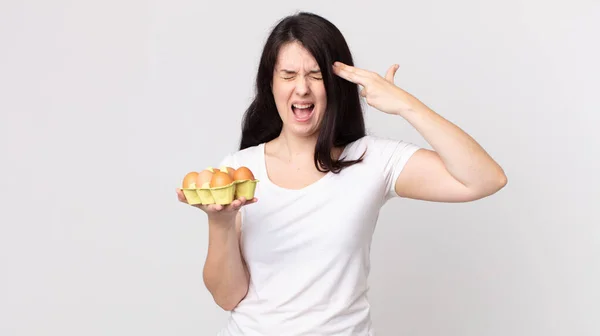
(389, 76)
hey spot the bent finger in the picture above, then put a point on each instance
(180, 195)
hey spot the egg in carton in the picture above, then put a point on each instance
(189, 188)
(245, 183)
(219, 186)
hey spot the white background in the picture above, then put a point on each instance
(105, 105)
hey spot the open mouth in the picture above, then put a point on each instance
(303, 112)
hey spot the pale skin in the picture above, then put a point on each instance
(457, 169)
(225, 273)
(296, 78)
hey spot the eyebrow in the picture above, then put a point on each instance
(294, 72)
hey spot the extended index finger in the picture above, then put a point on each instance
(350, 73)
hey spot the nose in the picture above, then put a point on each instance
(302, 87)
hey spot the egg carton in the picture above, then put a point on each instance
(221, 195)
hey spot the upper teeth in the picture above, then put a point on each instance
(302, 105)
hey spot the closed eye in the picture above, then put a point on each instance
(289, 74)
(313, 77)
(316, 74)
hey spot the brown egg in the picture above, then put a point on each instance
(220, 179)
(243, 173)
(203, 178)
(189, 181)
(229, 170)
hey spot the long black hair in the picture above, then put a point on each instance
(343, 121)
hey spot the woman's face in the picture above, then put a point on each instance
(298, 90)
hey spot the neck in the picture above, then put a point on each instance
(294, 147)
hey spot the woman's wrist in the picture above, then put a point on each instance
(222, 222)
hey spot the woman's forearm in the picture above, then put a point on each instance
(225, 273)
(463, 157)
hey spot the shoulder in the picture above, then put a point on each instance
(249, 157)
(380, 150)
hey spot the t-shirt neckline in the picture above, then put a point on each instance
(268, 182)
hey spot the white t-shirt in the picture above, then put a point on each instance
(308, 250)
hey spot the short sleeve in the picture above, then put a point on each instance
(228, 161)
(392, 156)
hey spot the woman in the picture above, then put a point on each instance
(296, 263)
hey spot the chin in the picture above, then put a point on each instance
(304, 133)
